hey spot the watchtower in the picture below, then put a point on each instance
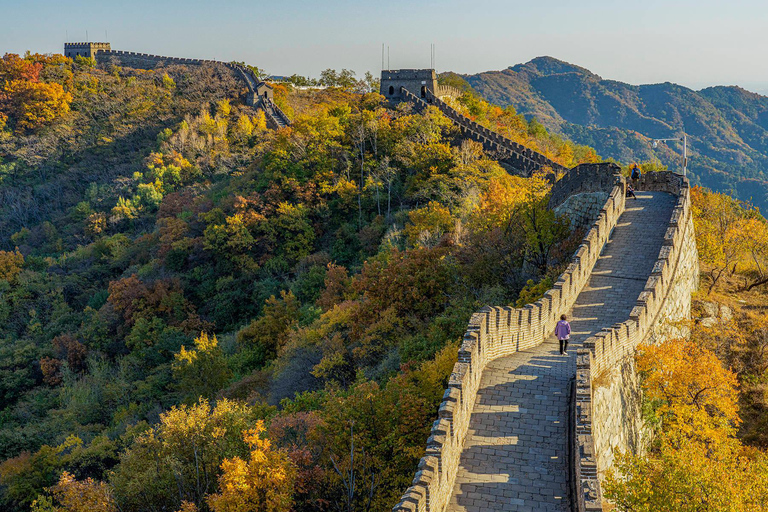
(415, 81)
(90, 50)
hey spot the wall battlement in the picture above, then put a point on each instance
(608, 414)
(89, 50)
(510, 153)
(495, 332)
(259, 93)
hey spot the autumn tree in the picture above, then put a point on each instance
(722, 232)
(268, 333)
(201, 371)
(27, 101)
(696, 462)
(71, 495)
(11, 263)
(180, 458)
(263, 482)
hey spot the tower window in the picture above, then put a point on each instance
(391, 90)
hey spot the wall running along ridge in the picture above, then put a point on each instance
(511, 154)
(276, 118)
(496, 332)
(608, 395)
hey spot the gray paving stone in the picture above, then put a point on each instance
(529, 471)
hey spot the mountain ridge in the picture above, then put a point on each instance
(727, 126)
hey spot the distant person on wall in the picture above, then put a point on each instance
(631, 191)
(563, 333)
(635, 175)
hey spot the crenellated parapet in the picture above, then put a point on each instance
(604, 417)
(495, 332)
(607, 412)
(259, 92)
(511, 154)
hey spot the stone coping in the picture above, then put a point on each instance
(609, 347)
(495, 332)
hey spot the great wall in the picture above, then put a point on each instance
(522, 427)
(259, 93)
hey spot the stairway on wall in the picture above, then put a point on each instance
(514, 455)
(512, 154)
(274, 114)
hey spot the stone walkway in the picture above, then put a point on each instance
(514, 455)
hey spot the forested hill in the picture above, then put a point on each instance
(189, 300)
(727, 126)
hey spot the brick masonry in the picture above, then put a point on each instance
(259, 93)
(500, 437)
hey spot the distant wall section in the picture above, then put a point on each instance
(89, 50)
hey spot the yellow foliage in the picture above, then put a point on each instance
(223, 108)
(697, 462)
(428, 224)
(38, 103)
(264, 483)
(86, 496)
(697, 396)
(10, 264)
(260, 121)
(203, 344)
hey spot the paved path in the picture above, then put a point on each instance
(514, 455)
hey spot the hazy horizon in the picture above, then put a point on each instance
(695, 44)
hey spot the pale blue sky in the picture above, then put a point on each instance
(695, 43)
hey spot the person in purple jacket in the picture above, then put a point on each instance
(563, 333)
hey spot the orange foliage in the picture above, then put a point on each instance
(264, 483)
(135, 299)
(25, 99)
(698, 397)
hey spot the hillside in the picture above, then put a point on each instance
(727, 126)
(182, 288)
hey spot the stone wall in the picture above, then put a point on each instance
(608, 397)
(582, 209)
(495, 332)
(415, 81)
(582, 179)
(73, 50)
(145, 60)
(259, 93)
(510, 153)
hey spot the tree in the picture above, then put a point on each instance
(721, 224)
(696, 462)
(180, 458)
(269, 333)
(78, 496)
(264, 482)
(24, 99)
(202, 371)
(11, 263)
(428, 225)
(693, 393)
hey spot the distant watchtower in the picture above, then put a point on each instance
(415, 81)
(73, 50)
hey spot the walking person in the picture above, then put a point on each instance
(635, 175)
(563, 333)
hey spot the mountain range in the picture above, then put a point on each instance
(726, 127)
